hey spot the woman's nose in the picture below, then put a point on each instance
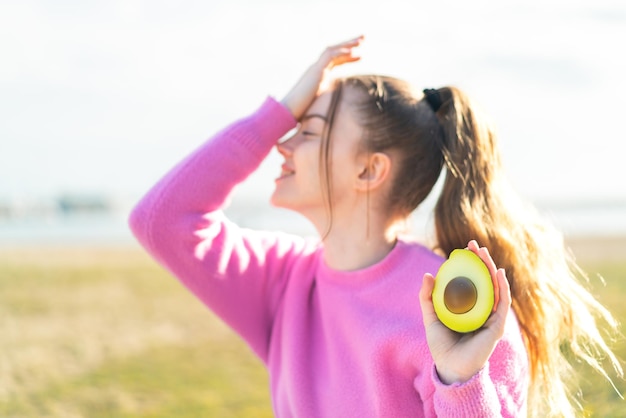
(286, 147)
(282, 149)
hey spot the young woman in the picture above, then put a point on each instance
(345, 324)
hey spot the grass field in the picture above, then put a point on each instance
(108, 333)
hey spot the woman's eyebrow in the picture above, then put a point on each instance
(314, 115)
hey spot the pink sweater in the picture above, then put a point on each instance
(336, 343)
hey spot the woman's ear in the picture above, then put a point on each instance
(375, 170)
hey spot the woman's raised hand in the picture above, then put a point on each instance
(458, 357)
(313, 80)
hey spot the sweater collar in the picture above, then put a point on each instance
(392, 262)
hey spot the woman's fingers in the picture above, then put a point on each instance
(498, 319)
(484, 255)
(351, 42)
(426, 300)
(341, 53)
(347, 45)
(504, 289)
(344, 56)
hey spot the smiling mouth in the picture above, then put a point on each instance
(286, 172)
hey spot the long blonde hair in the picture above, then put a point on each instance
(561, 322)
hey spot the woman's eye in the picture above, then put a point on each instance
(309, 133)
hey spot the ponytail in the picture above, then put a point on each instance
(558, 317)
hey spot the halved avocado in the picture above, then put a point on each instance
(463, 295)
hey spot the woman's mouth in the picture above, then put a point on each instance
(285, 171)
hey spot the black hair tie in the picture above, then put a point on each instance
(433, 98)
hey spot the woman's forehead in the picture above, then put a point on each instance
(321, 104)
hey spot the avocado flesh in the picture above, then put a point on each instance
(463, 295)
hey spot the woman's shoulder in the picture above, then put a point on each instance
(419, 252)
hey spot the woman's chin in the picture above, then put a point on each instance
(277, 202)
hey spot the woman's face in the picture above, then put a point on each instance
(299, 186)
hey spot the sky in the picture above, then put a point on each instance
(105, 96)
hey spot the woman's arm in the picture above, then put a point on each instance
(238, 274)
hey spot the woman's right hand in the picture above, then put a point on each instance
(313, 80)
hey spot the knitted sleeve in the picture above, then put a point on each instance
(498, 390)
(237, 273)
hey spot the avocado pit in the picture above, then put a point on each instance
(460, 295)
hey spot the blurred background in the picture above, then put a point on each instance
(99, 99)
